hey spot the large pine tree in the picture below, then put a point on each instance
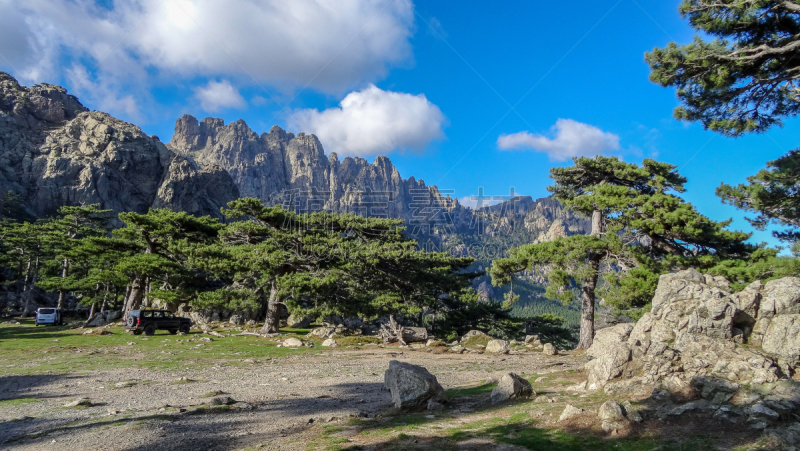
(638, 229)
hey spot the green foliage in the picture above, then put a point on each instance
(744, 80)
(641, 231)
(773, 194)
(764, 265)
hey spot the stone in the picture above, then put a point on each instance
(299, 321)
(497, 347)
(549, 349)
(533, 340)
(84, 402)
(434, 405)
(458, 349)
(221, 401)
(237, 319)
(511, 386)
(612, 416)
(759, 410)
(292, 342)
(412, 386)
(330, 342)
(780, 296)
(782, 337)
(631, 413)
(471, 334)
(570, 411)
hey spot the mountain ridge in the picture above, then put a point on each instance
(54, 151)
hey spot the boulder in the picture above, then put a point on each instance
(458, 349)
(330, 342)
(292, 342)
(497, 347)
(511, 386)
(612, 416)
(569, 412)
(549, 349)
(470, 334)
(782, 337)
(298, 321)
(237, 319)
(781, 296)
(532, 340)
(415, 334)
(412, 386)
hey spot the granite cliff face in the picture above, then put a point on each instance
(54, 152)
(280, 167)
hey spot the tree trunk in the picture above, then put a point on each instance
(30, 283)
(587, 305)
(134, 299)
(272, 322)
(589, 286)
(91, 312)
(62, 293)
(597, 222)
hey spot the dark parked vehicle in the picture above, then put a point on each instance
(148, 321)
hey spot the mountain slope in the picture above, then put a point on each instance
(54, 152)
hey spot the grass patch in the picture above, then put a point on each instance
(28, 349)
(484, 389)
(211, 394)
(17, 402)
(357, 340)
(475, 340)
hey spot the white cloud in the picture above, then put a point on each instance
(219, 95)
(331, 45)
(571, 139)
(373, 121)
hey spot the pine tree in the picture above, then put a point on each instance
(162, 241)
(746, 79)
(638, 230)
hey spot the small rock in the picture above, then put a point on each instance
(292, 342)
(79, 402)
(458, 349)
(330, 343)
(435, 405)
(221, 400)
(569, 412)
(112, 412)
(549, 349)
(511, 386)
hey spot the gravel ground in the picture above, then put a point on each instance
(277, 401)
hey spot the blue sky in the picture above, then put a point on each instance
(486, 70)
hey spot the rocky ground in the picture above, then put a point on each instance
(277, 402)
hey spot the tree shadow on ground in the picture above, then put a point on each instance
(517, 426)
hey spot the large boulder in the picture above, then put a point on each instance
(511, 386)
(701, 338)
(412, 386)
(497, 347)
(298, 321)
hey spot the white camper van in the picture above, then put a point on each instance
(48, 316)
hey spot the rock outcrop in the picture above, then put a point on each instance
(700, 340)
(55, 152)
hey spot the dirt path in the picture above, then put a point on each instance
(278, 401)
